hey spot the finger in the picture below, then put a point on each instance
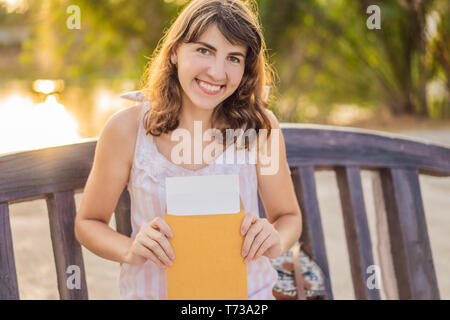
(162, 226)
(259, 239)
(143, 251)
(163, 242)
(269, 242)
(156, 249)
(251, 234)
(249, 219)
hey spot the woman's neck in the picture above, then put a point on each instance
(190, 113)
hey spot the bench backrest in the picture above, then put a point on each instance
(55, 174)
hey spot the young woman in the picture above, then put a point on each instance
(210, 67)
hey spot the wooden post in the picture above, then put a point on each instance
(9, 289)
(66, 249)
(389, 282)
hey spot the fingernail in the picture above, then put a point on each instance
(244, 253)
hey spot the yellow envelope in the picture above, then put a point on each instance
(208, 262)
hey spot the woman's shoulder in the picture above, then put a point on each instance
(272, 118)
(122, 127)
(126, 120)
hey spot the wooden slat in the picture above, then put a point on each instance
(356, 231)
(66, 249)
(328, 146)
(410, 245)
(385, 257)
(312, 233)
(122, 214)
(305, 237)
(9, 289)
(28, 175)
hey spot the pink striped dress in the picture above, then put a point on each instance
(147, 193)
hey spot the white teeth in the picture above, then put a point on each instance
(208, 87)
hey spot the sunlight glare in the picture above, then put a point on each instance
(44, 86)
(19, 6)
(25, 125)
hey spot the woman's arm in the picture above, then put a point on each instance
(282, 228)
(106, 181)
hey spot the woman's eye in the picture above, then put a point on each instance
(205, 51)
(202, 50)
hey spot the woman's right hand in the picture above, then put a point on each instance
(151, 244)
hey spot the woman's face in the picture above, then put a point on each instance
(210, 69)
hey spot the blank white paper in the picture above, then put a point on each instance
(197, 195)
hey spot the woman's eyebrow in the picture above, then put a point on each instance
(214, 49)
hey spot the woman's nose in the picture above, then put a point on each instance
(217, 72)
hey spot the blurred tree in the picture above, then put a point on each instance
(322, 49)
(114, 40)
(327, 55)
(440, 54)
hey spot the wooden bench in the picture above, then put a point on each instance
(56, 173)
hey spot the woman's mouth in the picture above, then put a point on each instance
(209, 89)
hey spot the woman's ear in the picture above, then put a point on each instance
(173, 56)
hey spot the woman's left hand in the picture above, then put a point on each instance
(261, 238)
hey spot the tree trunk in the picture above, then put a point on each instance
(401, 103)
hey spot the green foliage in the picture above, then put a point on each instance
(326, 54)
(114, 39)
(322, 49)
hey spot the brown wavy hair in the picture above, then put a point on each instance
(239, 24)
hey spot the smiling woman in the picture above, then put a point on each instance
(208, 60)
(211, 68)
